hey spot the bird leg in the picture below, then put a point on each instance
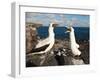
(44, 58)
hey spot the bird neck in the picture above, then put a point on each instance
(51, 32)
(72, 37)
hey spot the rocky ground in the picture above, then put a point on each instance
(52, 59)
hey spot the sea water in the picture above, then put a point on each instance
(81, 33)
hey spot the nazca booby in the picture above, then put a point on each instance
(74, 46)
(45, 45)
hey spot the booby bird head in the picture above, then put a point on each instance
(53, 24)
(69, 29)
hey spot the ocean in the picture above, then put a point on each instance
(81, 33)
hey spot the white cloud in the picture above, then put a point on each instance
(61, 19)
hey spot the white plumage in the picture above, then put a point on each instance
(50, 40)
(73, 44)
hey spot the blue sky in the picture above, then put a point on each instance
(76, 20)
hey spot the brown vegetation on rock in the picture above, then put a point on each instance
(31, 36)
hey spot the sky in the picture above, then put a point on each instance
(76, 20)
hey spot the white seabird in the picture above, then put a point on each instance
(45, 45)
(73, 44)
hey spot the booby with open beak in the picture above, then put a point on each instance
(73, 44)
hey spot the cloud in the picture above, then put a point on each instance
(78, 22)
(61, 19)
